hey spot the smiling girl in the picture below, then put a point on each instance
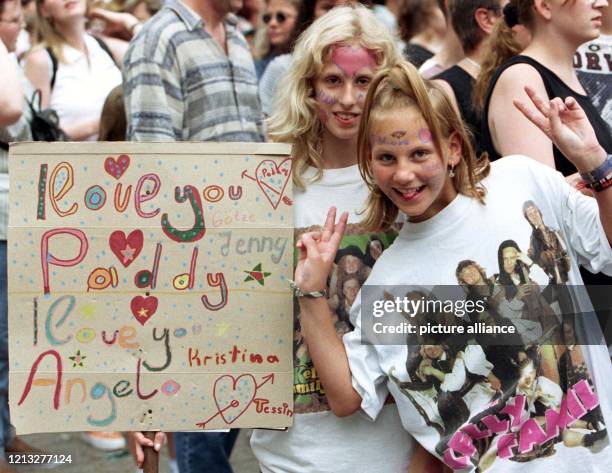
(320, 108)
(416, 157)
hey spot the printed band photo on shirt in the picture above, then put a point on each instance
(355, 258)
(517, 401)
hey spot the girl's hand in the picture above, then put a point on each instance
(317, 253)
(567, 126)
(140, 441)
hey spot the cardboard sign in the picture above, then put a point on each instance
(148, 286)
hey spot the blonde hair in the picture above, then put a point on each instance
(397, 88)
(48, 35)
(295, 118)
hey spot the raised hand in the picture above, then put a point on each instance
(567, 126)
(121, 24)
(317, 253)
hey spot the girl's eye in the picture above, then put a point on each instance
(385, 158)
(332, 80)
(363, 80)
(421, 153)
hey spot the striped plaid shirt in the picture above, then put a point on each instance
(179, 85)
(18, 131)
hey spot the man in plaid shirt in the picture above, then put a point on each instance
(189, 76)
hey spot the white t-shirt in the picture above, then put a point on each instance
(446, 416)
(81, 86)
(318, 441)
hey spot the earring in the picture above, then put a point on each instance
(451, 173)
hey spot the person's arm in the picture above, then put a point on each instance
(511, 131)
(154, 107)
(82, 130)
(37, 72)
(11, 90)
(123, 24)
(565, 123)
(316, 257)
(329, 356)
(424, 462)
(118, 48)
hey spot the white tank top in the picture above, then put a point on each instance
(81, 87)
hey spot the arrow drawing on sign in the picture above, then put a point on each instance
(235, 403)
(202, 425)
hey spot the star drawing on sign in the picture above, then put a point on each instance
(257, 274)
(128, 253)
(77, 359)
(143, 312)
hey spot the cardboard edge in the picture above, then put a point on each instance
(129, 147)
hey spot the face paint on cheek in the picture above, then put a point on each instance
(435, 170)
(351, 59)
(327, 99)
(432, 166)
(361, 98)
(424, 136)
(323, 116)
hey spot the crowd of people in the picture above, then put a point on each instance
(464, 142)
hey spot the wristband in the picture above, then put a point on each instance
(601, 184)
(297, 292)
(602, 172)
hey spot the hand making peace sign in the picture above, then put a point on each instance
(317, 253)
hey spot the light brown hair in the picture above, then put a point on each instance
(397, 88)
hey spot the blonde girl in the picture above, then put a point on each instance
(319, 110)
(73, 70)
(416, 157)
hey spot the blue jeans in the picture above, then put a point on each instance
(204, 452)
(5, 423)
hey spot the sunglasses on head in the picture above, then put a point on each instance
(280, 17)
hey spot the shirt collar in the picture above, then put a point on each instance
(191, 19)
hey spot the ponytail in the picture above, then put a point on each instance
(501, 46)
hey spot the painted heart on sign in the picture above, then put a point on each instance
(116, 167)
(126, 249)
(233, 396)
(143, 308)
(272, 179)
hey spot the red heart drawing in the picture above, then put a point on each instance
(143, 308)
(233, 396)
(126, 249)
(272, 179)
(116, 167)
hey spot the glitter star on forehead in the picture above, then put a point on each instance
(257, 274)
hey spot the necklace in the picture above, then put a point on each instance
(473, 63)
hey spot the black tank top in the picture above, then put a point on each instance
(463, 86)
(555, 87)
